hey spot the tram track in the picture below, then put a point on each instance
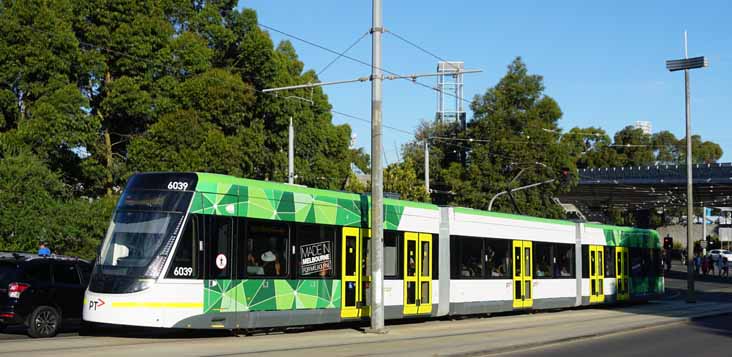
(422, 336)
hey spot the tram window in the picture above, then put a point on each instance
(645, 261)
(657, 262)
(425, 263)
(315, 251)
(471, 257)
(267, 248)
(219, 247)
(184, 264)
(542, 260)
(609, 262)
(498, 258)
(585, 262)
(391, 254)
(636, 262)
(563, 261)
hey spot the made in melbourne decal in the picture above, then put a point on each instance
(315, 258)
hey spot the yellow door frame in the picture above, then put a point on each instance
(358, 309)
(411, 262)
(424, 305)
(597, 274)
(523, 274)
(621, 273)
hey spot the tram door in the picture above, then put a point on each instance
(621, 273)
(417, 273)
(522, 274)
(597, 273)
(353, 273)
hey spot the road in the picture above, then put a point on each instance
(628, 330)
(704, 337)
(709, 336)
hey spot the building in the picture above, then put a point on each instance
(645, 126)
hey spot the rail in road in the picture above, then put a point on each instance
(446, 337)
(435, 337)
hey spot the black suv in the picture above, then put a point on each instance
(39, 292)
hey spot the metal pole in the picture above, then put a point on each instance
(427, 165)
(704, 230)
(377, 177)
(690, 296)
(291, 155)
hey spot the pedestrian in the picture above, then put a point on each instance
(725, 265)
(705, 265)
(719, 265)
(697, 263)
(43, 251)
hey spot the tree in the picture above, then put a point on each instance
(517, 125)
(634, 146)
(401, 178)
(591, 148)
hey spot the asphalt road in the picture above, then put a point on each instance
(707, 336)
(710, 336)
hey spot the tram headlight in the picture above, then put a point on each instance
(141, 284)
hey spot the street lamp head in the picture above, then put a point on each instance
(687, 63)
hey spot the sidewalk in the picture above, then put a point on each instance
(471, 336)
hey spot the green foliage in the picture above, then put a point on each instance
(401, 178)
(517, 122)
(92, 91)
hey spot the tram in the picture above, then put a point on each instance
(206, 251)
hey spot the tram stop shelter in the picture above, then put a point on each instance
(649, 187)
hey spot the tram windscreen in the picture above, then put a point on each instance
(134, 240)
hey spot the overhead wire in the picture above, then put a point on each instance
(342, 53)
(413, 80)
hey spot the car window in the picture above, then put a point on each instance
(38, 273)
(66, 274)
(726, 252)
(85, 272)
(8, 273)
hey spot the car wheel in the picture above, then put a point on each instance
(44, 322)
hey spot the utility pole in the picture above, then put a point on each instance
(291, 155)
(377, 174)
(377, 177)
(427, 165)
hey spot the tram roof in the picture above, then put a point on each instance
(208, 182)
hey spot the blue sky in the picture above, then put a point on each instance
(604, 62)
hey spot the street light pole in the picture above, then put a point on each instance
(377, 177)
(691, 296)
(675, 65)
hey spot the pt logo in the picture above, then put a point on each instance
(95, 304)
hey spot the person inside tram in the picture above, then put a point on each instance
(270, 259)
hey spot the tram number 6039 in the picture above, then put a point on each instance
(177, 185)
(183, 271)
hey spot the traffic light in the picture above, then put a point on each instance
(668, 242)
(564, 176)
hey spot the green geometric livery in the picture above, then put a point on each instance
(270, 295)
(227, 196)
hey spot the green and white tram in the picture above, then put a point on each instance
(198, 250)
